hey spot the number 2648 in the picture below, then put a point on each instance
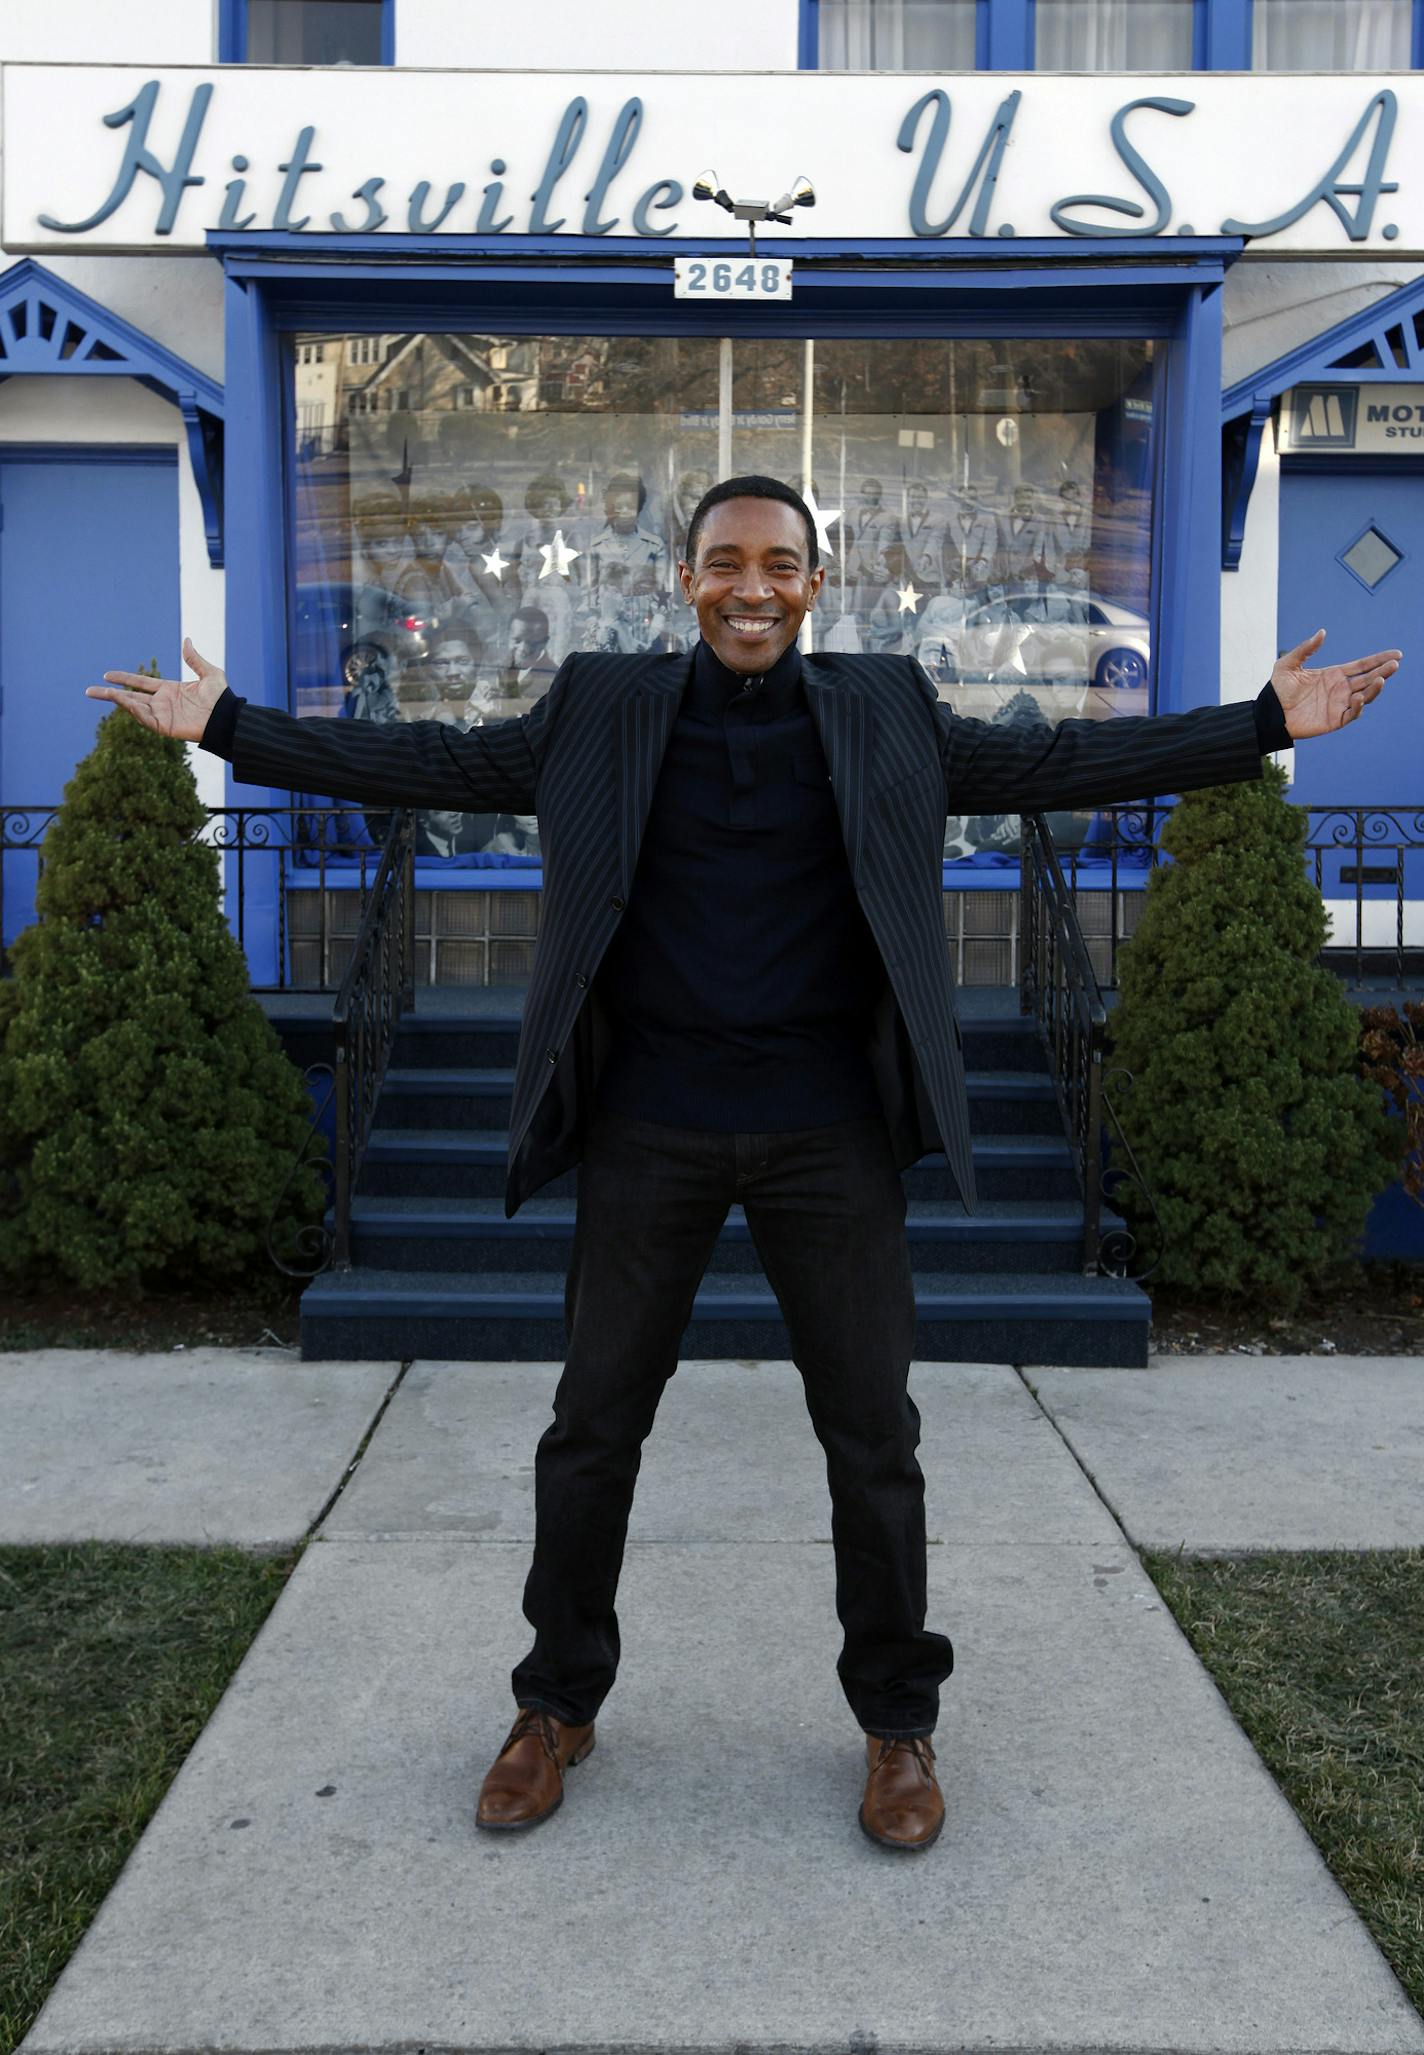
(751, 279)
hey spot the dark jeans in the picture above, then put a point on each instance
(826, 1210)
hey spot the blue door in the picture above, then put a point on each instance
(1352, 562)
(88, 582)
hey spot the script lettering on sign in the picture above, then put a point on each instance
(980, 168)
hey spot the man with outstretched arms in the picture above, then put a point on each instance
(741, 994)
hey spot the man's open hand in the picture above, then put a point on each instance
(1315, 702)
(170, 706)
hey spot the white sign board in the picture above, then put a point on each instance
(126, 157)
(1353, 420)
(731, 278)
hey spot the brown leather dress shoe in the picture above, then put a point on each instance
(525, 1782)
(903, 1806)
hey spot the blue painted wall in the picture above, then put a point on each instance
(1326, 505)
(88, 581)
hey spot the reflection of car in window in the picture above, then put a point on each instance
(351, 639)
(1055, 636)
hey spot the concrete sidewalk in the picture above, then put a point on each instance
(1118, 1871)
(1233, 1452)
(195, 1445)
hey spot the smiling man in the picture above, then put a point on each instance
(741, 995)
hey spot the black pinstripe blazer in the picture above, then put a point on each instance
(586, 759)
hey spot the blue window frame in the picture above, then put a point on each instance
(1005, 38)
(233, 32)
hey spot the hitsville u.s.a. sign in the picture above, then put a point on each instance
(105, 157)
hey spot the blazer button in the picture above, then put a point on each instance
(553, 1055)
(617, 903)
(579, 978)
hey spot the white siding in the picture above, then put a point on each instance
(109, 31)
(619, 35)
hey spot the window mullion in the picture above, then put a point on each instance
(1010, 38)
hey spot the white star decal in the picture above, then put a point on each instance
(909, 599)
(557, 555)
(494, 563)
(822, 520)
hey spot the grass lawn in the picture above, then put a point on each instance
(112, 1657)
(1321, 1658)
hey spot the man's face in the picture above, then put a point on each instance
(870, 495)
(1023, 499)
(549, 506)
(918, 499)
(384, 545)
(752, 582)
(623, 512)
(446, 825)
(449, 662)
(526, 646)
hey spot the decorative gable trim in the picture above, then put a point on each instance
(1381, 345)
(48, 327)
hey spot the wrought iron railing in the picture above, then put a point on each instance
(296, 880)
(22, 833)
(275, 858)
(1367, 862)
(1376, 850)
(378, 987)
(1059, 987)
(284, 857)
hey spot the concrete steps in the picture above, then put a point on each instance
(438, 1270)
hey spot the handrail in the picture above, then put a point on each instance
(378, 986)
(1059, 987)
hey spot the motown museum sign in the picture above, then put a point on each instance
(117, 157)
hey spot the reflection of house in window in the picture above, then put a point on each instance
(570, 375)
(317, 374)
(348, 363)
(434, 374)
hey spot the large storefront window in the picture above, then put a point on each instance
(470, 509)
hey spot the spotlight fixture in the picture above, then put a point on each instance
(800, 194)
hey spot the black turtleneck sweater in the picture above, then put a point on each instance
(743, 975)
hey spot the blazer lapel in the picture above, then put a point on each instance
(646, 714)
(842, 712)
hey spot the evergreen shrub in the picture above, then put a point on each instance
(148, 1113)
(1252, 1124)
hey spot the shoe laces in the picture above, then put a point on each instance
(917, 1745)
(533, 1719)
